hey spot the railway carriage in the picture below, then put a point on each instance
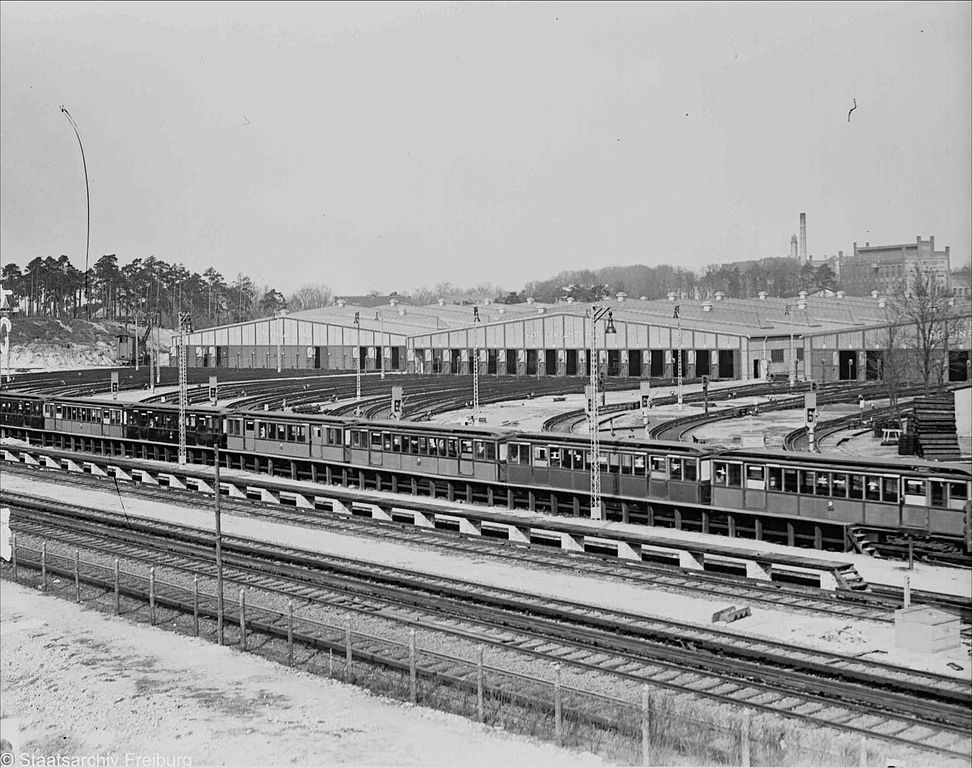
(887, 493)
(156, 423)
(88, 418)
(631, 468)
(22, 410)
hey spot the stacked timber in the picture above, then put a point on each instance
(934, 428)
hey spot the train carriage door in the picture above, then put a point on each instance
(375, 450)
(465, 457)
(914, 502)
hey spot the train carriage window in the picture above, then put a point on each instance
(675, 469)
(958, 491)
(503, 451)
(262, 431)
(355, 439)
(453, 446)
(490, 451)
(838, 488)
(375, 441)
(856, 488)
(640, 465)
(890, 489)
(755, 472)
(60, 412)
(413, 444)
(872, 488)
(466, 447)
(823, 484)
(690, 468)
(614, 463)
(554, 457)
(939, 496)
(424, 446)
(808, 479)
(317, 432)
(540, 455)
(658, 467)
(627, 461)
(106, 417)
(302, 433)
(386, 442)
(396, 443)
(291, 433)
(914, 487)
(602, 463)
(248, 425)
(479, 450)
(774, 478)
(48, 410)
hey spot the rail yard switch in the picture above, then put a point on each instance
(731, 614)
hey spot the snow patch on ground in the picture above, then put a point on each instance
(78, 682)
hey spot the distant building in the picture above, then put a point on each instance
(962, 283)
(372, 300)
(883, 267)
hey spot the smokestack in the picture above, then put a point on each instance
(803, 238)
(794, 253)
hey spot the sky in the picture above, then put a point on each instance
(381, 147)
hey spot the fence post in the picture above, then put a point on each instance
(152, 594)
(862, 761)
(558, 707)
(44, 566)
(480, 708)
(347, 648)
(290, 632)
(77, 575)
(195, 604)
(645, 726)
(744, 746)
(412, 683)
(13, 554)
(243, 618)
(330, 663)
(117, 591)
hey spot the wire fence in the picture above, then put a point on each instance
(657, 728)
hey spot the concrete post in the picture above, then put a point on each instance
(744, 747)
(480, 704)
(44, 566)
(558, 707)
(645, 726)
(195, 605)
(412, 682)
(13, 554)
(347, 648)
(152, 595)
(907, 591)
(243, 618)
(290, 633)
(77, 576)
(117, 596)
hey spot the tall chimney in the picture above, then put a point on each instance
(794, 252)
(803, 238)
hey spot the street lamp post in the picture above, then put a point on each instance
(595, 313)
(87, 195)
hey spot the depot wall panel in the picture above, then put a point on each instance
(729, 342)
(514, 335)
(853, 340)
(659, 337)
(705, 340)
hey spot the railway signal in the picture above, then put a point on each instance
(397, 402)
(114, 385)
(213, 391)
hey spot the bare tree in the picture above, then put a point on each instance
(924, 303)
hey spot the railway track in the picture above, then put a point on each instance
(901, 706)
(875, 605)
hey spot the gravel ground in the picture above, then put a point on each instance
(76, 683)
(391, 628)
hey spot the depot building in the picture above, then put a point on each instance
(821, 338)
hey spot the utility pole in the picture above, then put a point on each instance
(381, 348)
(678, 367)
(475, 364)
(787, 310)
(595, 313)
(219, 546)
(357, 365)
(184, 320)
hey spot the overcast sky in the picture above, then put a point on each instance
(383, 147)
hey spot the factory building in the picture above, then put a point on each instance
(885, 267)
(825, 339)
